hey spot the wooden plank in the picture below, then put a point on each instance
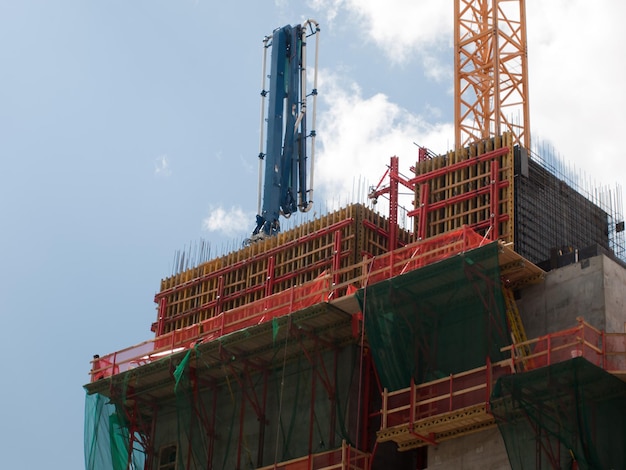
(467, 189)
(299, 255)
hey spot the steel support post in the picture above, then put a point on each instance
(494, 199)
(393, 204)
(336, 259)
(269, 279)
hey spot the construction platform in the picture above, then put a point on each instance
(435, 411)
(248, 348)
(326, 288)
(310, 335)
(337, 241)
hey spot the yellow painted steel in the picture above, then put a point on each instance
(516, 326)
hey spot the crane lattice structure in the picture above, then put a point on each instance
(491, 71)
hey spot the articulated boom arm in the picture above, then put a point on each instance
(284, 186)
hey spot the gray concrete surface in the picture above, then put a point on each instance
(480, 451)
(594, 289)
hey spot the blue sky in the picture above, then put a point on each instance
(129, 129)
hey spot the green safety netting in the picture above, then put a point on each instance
(286, 414)
(107, 437)
(442, 319)
(561, 416)
(203, 423)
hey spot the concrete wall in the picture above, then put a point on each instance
(614, 296)
(566, 293)
(594, 289)
(484, 450)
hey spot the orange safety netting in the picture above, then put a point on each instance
(236, 319)
(405, 259)
(423, 253)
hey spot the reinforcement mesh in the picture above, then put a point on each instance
(438, 320)
(559, 416)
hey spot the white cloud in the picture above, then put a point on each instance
(358, 135)
(576, 73)
(233, 221)
(162, 166)
(402, 29)
(329, 7)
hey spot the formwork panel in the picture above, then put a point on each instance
(472, 186)
(337, 240)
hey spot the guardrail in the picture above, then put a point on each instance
(582, 340)
(442, 396)
(344, 458)
(326, 287)
(473, 387)
(227, 322)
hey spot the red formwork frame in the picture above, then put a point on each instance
(267, 287)
(323, 289)
(582, 340)
(393, 190)
(248, 393)
(140, 431)
(389, 265)
(421, 182)
(244, 378)
(324, 371)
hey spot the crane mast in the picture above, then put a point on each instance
(285, 170)
(490, 71)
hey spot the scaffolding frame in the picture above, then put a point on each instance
(429, 413)
(243, 361)
(369, 270)
(272, 265)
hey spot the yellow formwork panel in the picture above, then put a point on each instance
(273, 265)
(460, 190)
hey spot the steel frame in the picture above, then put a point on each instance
(267, 287)
(421, 186)
(490, 71)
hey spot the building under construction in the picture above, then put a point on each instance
(489, 334)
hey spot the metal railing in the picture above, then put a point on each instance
(583, 340)
(344, 458)
(473, 387)
(325, 288)
(441, 396)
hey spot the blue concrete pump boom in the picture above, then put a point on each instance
(285, 175)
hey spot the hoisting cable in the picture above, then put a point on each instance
(232, 398)
(362, 348)
(282, 390)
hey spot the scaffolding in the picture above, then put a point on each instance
(474, 400)
(334, 241)
(317, 348)
(297, 340)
